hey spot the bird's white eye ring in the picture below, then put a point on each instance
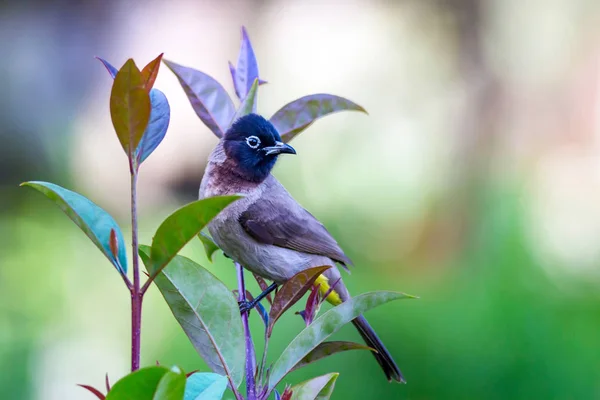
(253, 141)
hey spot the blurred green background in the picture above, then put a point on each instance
(474, 183)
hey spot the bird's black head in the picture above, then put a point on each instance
(253, 144)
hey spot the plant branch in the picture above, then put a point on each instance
(136, 294)
(149, 282)
(250, 354)
(127, 281)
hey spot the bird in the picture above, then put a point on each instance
(267, 231)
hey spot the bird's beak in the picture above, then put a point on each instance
(279, 148)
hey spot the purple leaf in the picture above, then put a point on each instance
(232, 71)
(292, 291)
(298, 115)
(327, 349)
(111, 70)
(93, 390)
(207, 97)
(160, 115)
(247, 67)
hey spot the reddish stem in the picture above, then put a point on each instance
(136, 294)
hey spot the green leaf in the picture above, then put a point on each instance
(129, 107)
(207, 97)
(139, 385)
(298, 115)
(207, 311)
(319, 388)
(248, 105)
(324, 326)
(181, 226)
(327, 349)
(96, 223)
(209, 246)
(171, 386)
(205, 386)
(292, 291)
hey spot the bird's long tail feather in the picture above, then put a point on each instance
(382, 356)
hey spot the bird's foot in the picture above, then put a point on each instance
(246, 306)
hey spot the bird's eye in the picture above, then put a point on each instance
(253, 141)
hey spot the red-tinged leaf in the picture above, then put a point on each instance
(246, 71)
(107, 383)
(263, 286)
(292, 291)
(287, 393)
(94, 391)
(298, 115)
(129, 107)
(113, 243)
(207, 97)
(312, 303)
(327, 349)
(150, 71)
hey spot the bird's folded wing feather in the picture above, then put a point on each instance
(281, 221)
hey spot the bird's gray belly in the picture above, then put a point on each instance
(271, 262)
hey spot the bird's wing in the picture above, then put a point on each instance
(279, 220)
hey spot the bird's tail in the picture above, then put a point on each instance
(382, 356)
(340, 294)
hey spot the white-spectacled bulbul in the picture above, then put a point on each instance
(267, 231)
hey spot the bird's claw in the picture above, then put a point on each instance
(245, 306)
